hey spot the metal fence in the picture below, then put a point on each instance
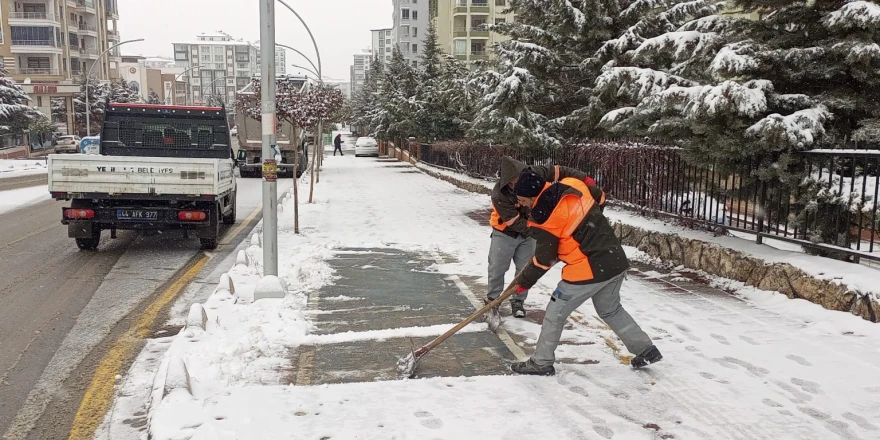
(832, 211)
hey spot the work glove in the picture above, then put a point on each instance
(589, 181)
(521, 290)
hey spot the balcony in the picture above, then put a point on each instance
(480, 6)
(37, 72)
(32, 18)
(479, 31)
(35, 46)
(113, 35)
(460, 31)
(88, 30)
(87, 5)
(89, 53)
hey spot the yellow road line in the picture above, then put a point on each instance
(100, 391)
(233, 233)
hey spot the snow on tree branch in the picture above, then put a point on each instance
(859, 53)
(636, 83)
(639, 8)
(577, 14)
(684, 45)
(681, 12)
(612, 118)
(711, 23)
(800, 129)
(735, 59)
(854, 15)
(744, 100)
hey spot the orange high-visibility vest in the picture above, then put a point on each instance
(568, 214)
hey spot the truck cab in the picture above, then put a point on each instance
(159, 168)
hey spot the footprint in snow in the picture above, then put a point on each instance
(799, 360)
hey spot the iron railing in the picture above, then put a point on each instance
(832, 210)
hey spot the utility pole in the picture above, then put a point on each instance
(270, 166)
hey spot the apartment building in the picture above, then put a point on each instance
(45, 45)
(410, 18)
(280, 61)
(382, 44)
(216, 65)
(460, 29)
(359, 70)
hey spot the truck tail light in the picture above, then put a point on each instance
(79, 214)
(192, 216)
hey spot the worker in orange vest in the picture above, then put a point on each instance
(510, 240)
(568, 223)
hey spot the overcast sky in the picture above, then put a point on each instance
(341, 27)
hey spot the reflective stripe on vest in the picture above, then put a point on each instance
(495, 220)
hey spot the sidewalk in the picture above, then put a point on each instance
(387, 254)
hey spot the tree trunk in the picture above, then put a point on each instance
(295, 185)
(314, 161)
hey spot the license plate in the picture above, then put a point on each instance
(132, 214)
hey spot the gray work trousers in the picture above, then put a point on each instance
(503, 249)
(606, 300)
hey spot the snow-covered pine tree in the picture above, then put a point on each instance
(541, 84)
(397, 103)
(365, 104)
(98, 93)
(122, 92)
(15, 113)
(153, 98)
(441, 91)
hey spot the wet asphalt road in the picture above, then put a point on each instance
(57, 304)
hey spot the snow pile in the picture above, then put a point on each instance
(800, 128)
(18, 198)
(16, 167)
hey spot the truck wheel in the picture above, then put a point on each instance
(90, 243)
(209, 236)
(230, 219)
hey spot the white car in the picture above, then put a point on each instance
(234, 131)
(366, 146)
(67, 144)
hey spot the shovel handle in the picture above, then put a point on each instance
(495, 302)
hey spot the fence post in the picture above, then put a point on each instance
(762, 211)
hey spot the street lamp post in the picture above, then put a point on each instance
(308, 71)
(270, 185)
(89, 75)
(174, 86)
(315, 68)
(224, 87)
(319, 139)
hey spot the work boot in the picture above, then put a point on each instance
(650, 356)
(530, 367)
(516, 306)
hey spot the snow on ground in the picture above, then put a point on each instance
(19, 167)
(17, 198)
(751, 367)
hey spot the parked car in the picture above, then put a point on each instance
(366, 146)
(234, 131)
(68, 144)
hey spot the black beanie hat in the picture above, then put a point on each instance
(530, 184)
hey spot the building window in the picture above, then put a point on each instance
(415, 32)
(404, 14)
(388, 41)
(38, 62)
(206, 58)
(387, 33)
(415, 15)
(205, 48)
(178, 56)
(387, 49)
(415, 48)
(460, 47)
(500, 2)
(415, 64)
(404, 31)
(500, 20)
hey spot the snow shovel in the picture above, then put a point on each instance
(406, 366)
